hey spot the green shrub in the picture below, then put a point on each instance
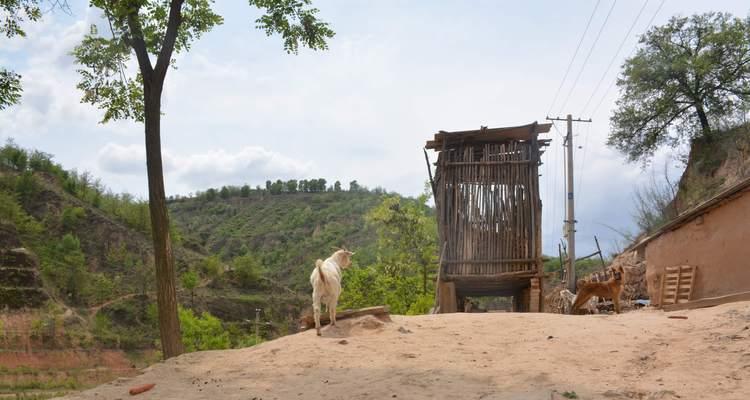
(202, 332)
(71, 217)
(99, 288)
(13, 157)
(64, 264)
(211, 266)
(248, 270)
(11, 211)
(189, 281)
(27, 187)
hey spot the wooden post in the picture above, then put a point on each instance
(562, 263)
(429, 172)
(437, 280)
(570, 222)
(571, 218)
(535, 295)
(448, 298)
(601, 258)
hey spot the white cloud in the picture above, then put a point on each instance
(250, 164)
(198, 171)
(124, 160)
(239, 109)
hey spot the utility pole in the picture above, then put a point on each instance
(570, 222)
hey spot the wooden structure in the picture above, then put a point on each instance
(677, 285)
(486, 189)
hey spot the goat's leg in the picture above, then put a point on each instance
(316, 313)
(332, 313)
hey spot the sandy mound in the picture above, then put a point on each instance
(639, 355)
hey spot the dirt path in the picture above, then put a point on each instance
(93, 310)
(639, 355)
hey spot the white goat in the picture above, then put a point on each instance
(326, 282)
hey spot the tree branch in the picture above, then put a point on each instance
(170, 37)
(139, 45)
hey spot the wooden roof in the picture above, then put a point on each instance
(689, 215)
(487, 135)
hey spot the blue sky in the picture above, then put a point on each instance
(240, 110)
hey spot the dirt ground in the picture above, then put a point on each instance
(638, 355)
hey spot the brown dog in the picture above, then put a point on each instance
(609, 290)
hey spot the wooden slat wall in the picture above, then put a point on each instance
(488, 207)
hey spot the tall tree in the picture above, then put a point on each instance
(157, 29)
(407, 240)
(686, 77)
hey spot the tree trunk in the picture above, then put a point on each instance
(166, 294)
(704, 121)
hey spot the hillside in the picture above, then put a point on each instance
(285, 232)
(89, 267)
(638, 355)
(73, 223)
(714, 165)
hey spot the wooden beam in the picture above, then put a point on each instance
(501, 261)
(502, 276)
(708, 302)
(488, 135)
(308, 321)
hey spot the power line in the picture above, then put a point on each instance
(585, 60)
(585, 146)
(578, 47)
(614, 57)
(650, 22)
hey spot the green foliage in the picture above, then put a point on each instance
(291, 186)
(406, 247)
(71, 217)
(10, 88)
(103, 80)
(189, 281)
(371, 286)
(98, 289)
(26, 186)
(245, 191)
(248, 270)
(247, 341)
(13, 157)
(687, 75)
(211, 266)
(407, 236)
(64, 264)
(284, 233)
(202, 332)
(129, 325)
(151, 29)
(14, 13)
(12, 212)
(294, 22)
